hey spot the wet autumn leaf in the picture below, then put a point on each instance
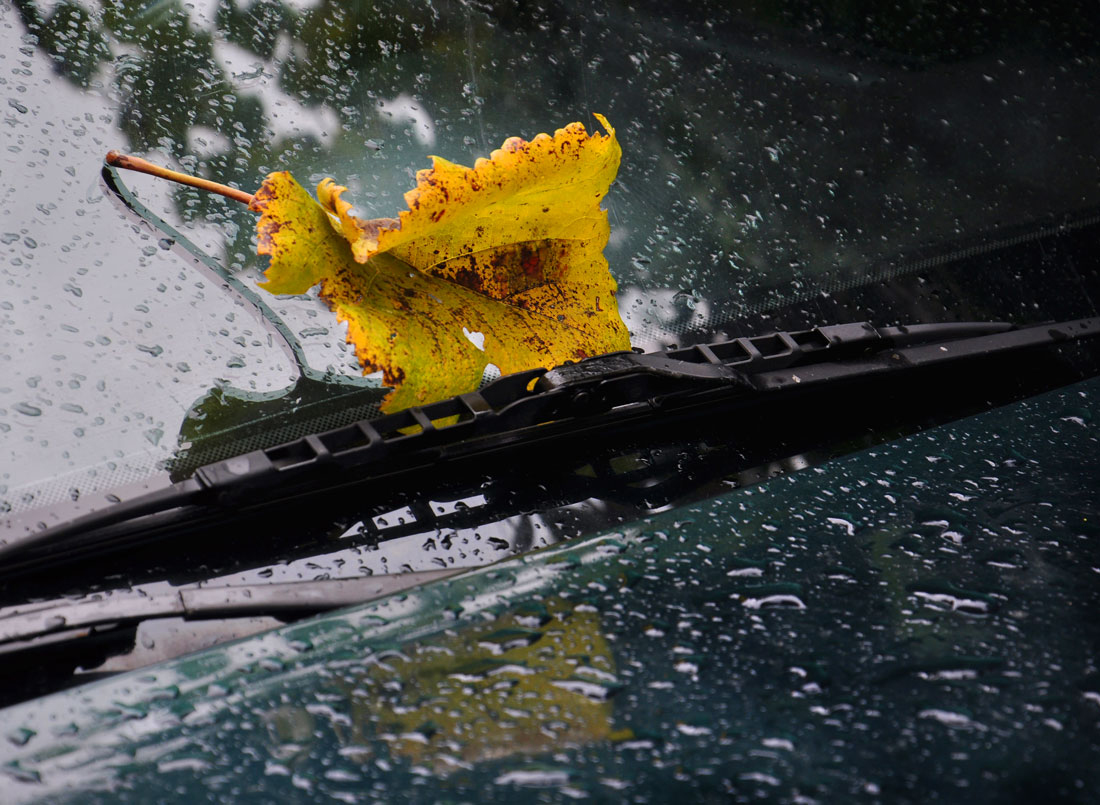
(498, 264)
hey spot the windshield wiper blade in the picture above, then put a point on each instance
(596, 398)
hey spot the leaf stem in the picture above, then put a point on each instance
(119, 160)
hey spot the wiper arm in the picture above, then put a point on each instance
(59, 617)
(70, 639)
(538, 409)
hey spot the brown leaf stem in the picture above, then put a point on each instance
(119, 160)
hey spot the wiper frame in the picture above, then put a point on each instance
(594, 398)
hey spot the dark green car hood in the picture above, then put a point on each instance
(913, 621)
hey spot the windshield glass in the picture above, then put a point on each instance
(773, 155)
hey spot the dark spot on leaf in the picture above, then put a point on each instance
(470, 278)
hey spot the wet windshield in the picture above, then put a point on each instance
(773, 155)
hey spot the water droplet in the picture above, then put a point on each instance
(774, 602)
(595, 691)
(504, 639)
(21, 735)
(952, 719)
(688, 299)
(23, 775)
(692, 730)
(27, 409)
(534, 777)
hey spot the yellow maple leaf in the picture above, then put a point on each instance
(501, 263)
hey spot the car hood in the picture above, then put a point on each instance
(898, 622)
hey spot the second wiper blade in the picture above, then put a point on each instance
(539, 409)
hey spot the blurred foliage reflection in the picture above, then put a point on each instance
(772, 149)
